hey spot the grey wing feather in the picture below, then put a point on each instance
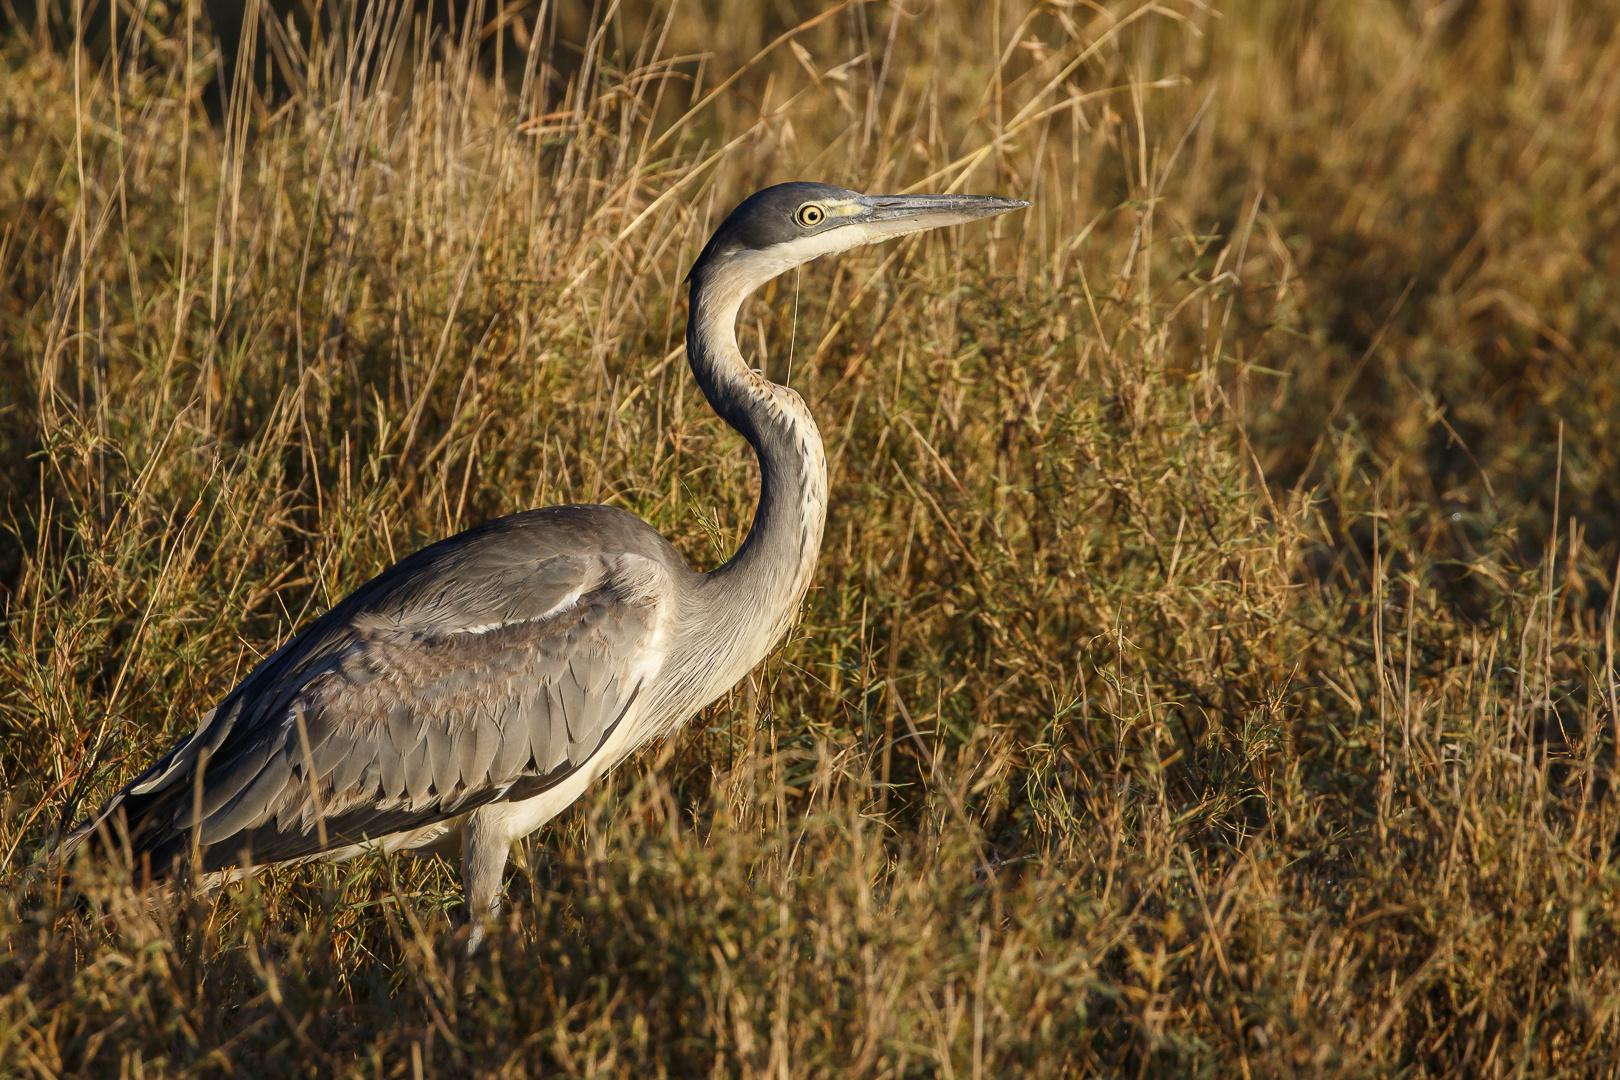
(404, 725)
(451, 694)
(478, 748)
(514, 749)
(347, 772)
(225, 786)
(443, 761)
(418, 777)
(574, 710)
(390, 773)
(248, 804)
(547, 730)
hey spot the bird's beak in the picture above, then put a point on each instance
(885, 216)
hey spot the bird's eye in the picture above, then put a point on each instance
(810, 215)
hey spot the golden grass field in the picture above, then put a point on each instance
(1210, 666)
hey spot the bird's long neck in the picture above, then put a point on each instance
(761, 587)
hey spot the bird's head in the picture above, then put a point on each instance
(787, 225)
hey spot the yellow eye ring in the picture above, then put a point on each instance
(810, 215)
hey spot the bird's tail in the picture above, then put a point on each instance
(50, 868)
(119, 817)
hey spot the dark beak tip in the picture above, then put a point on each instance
(997, 205)
(1007, 206)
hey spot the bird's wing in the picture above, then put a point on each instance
(412, 707)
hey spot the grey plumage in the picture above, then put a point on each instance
(473, 689)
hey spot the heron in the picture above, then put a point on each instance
(473, 690)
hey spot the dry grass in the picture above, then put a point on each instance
(1210, 665)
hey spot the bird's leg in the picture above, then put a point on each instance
(484, 848)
